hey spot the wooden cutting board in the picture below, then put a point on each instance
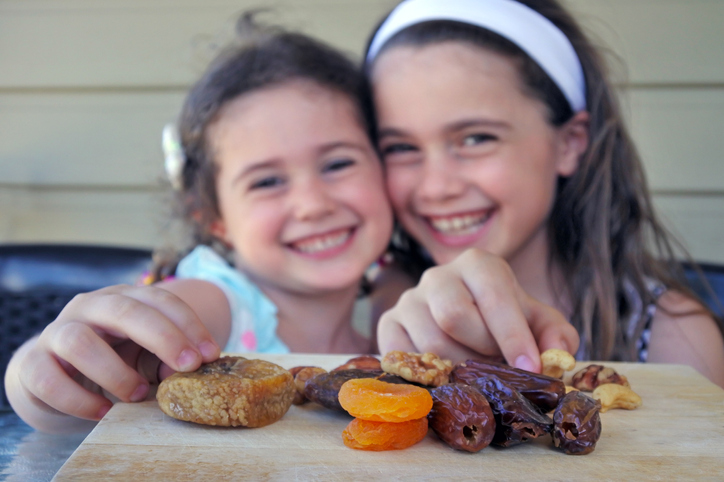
(678, 433)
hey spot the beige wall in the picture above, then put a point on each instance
(87, 85)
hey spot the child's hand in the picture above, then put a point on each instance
(107, 339)
(474, 307)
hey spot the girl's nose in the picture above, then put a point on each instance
(311, 200)
(441, 179)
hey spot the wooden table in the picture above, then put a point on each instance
(678, 433)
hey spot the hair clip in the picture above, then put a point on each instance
(174, 158)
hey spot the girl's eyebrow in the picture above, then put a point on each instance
(452, 127)
(390, 132)
(466, 123)
(276, 162)
(256, 166)
(324, 148)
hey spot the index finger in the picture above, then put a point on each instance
(500, 307)
(153, 318)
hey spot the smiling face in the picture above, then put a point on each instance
(471, 159)
(300, 188)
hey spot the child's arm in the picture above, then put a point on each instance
(474, 306)
(106, 340)
(682, 333)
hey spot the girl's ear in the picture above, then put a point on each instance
(218, 229)
(573, 143)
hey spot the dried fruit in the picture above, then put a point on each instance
(390, 378)
(370, 435)
(517, 420)
(592, 376)
(461, 416)
(423, 368)
(365, 362)
(545, 392)
(324, 388)
(380, 401)
(577, 424)
(301, 376)
(231, 391)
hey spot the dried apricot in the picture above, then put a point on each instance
(369, 435)
(379, 401)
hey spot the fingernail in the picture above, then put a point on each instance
(564, 345)
(139, 393)
(524, 363)
(187, 360)
(103, 411)
(208, 349)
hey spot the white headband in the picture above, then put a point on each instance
(529, 30)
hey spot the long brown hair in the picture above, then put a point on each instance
(602, 227)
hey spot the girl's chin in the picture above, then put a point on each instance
(443, 257)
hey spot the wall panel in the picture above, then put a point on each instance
(86, 86)
(84, 138)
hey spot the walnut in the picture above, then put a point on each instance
(613, 395)
(592, 376)
(423, 368)
(556, 362)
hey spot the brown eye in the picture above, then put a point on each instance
(266, 183)
(338, 165)
(399, 148)
(476, 139)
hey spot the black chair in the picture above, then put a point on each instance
(38, 280)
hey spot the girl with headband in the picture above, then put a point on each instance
(509, 167)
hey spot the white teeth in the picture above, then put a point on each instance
(459, 225)
(322, 243)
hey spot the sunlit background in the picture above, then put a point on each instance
(87, 85)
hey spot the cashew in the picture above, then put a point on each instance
(613, 395)
(556, 362)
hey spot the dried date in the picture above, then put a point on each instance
(364, 362)
(324, 388)
(461, 416)
(543, 391)
(577, 424)
(517, 420)
(301, 374)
